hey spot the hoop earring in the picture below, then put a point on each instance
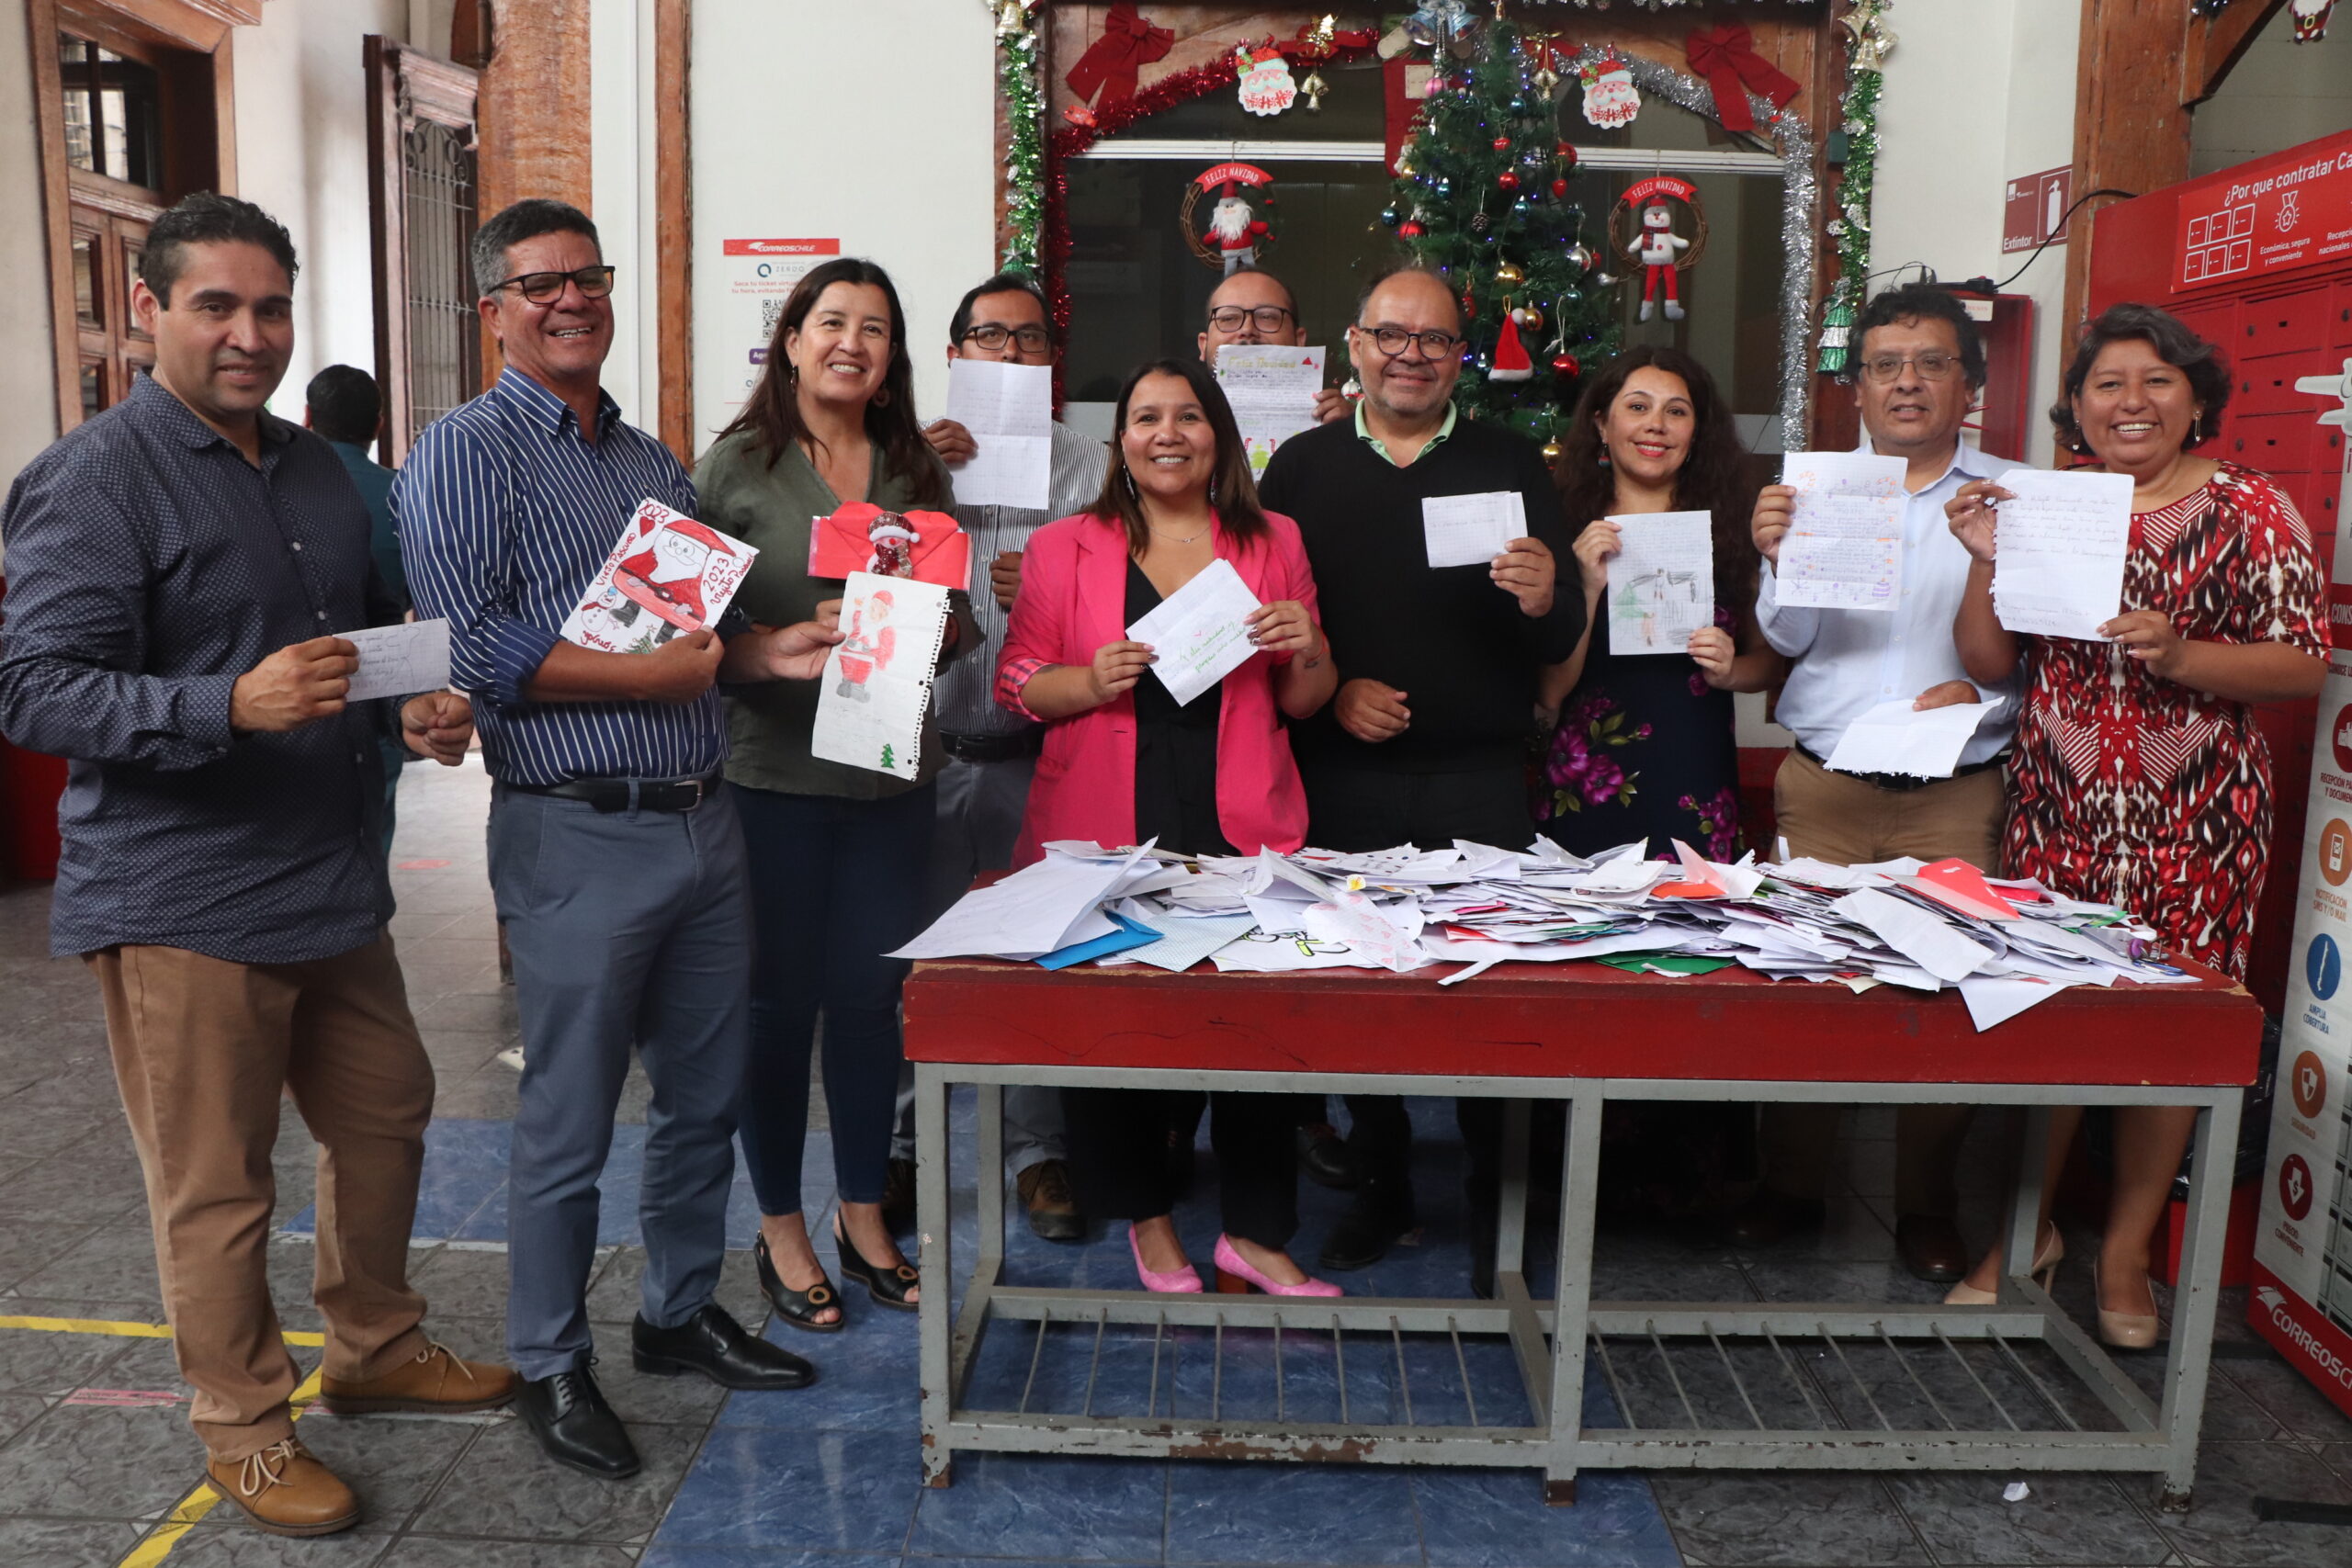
(882, 398)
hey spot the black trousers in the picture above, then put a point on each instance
(1353, 811)
(1118, 1157)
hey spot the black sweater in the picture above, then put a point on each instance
(1451, 642)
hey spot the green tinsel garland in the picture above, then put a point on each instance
(1025, 107)
(1849, 228)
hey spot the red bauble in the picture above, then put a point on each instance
(1502, 143)
(1559, 189)
(1409, 229)
(1567, 151)
(1564, 364)
(1508, 180)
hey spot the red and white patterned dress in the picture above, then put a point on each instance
(2134, 790)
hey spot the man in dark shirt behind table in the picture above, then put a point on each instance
(180, 570)
(1425, 741)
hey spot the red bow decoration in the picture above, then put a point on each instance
(1725, 55)
(1129, 44)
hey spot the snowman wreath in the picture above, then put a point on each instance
(1642, 226)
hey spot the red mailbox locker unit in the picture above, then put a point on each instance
(2258, 259)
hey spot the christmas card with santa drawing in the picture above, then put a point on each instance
(875, 691)
(668, 574)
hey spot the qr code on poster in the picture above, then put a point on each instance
(771, 312)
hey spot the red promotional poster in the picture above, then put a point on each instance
(2267, 218)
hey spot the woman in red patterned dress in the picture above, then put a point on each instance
(2139, 777)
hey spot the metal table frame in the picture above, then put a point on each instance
(1550, 1340)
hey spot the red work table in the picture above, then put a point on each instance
(2017, 1385)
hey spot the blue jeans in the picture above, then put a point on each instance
(836, 884)
(628, 928)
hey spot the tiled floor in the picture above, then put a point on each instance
(93, 1452)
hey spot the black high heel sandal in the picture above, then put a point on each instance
(888, 1287)
(799, 1308)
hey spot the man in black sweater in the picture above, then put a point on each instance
(1425, 741)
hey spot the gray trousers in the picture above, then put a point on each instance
(980, 806)
(628, 929)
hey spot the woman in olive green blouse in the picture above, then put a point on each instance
(837, 853)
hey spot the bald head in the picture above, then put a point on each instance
(1412, 383)
(1250, 307)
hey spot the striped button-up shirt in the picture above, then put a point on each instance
(504, 514)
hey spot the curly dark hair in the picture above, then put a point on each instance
(772, 417)
(1712, 479)
(1922, 302)
(1232, 492)
(2193, 357)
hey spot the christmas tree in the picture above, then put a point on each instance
(1481, 197)
(888, 761)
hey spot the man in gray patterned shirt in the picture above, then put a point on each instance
(991, 753)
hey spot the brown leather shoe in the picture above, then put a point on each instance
(432, 1383)
(1930, 1248)
(1053, 1212)
(285, 1491)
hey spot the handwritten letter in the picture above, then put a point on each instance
(1271, 388)
(1009, 409)
(1471, 530)
(1662, 583)
(1844, 547)
(2059, 567)
(1196, 632)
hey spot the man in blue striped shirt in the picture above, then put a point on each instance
(616, 863)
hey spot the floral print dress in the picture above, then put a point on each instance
(2135, 790)
(1645, 749)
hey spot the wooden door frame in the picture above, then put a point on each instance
(444, 94)
(674, 210)
(202, 28)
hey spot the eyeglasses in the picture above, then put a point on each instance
(1032, 340)
(547, 288)
(1933, 365)
(1393, 340)
(1265, 318)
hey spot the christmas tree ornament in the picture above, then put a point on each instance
(2310, 19)
(1565, 366)
(1442, 186)
(1559, 189)
(1390, 217)
(1261, 75)
(1611, 100)
(1510, 361)
(1508, 180)
(1663, 253)
(1836, 332)
(1236, 233)
(1546, 79)
(1479, 221)
(1567, 152)
(1528, 319)
(1502, 143)
(1509, 275)
(1409, 229)
(1552, 451)
(1579, 257)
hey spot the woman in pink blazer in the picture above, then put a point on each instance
(1124, 761)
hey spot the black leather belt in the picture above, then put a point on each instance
(630, 794)
(994, 748)
(1902, 784)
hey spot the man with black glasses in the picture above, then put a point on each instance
(991, 753)
(1918, 370)
(1426, 740)
(616, 861)
(1252, 306)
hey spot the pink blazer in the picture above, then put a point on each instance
(1073, 600)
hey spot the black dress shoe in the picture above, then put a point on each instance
(1381, 1213)
(714, 1345)
(1770, 1218)
(1326, 1158)
(1930, 1248)
(575, 1427)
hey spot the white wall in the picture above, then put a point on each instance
(303, 156)
(871, 123)
(2281, 94)
(28, 351)
(622, 172)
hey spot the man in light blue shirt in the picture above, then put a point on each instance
(1918, 369)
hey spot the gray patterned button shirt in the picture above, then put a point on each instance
(149, 565)
(965, 690)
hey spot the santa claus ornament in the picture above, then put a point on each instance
(1642, 227)
(1263, 77)
(2310, 19)
(1234, 233)
(1610, 98)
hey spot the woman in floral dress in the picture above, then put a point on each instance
(2138, 776)
(1644, 747)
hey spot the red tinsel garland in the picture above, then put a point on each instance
(1176, 87)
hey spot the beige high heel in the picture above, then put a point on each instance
(2046, 1258)
(2123, 1330)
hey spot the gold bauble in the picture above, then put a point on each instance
(1551, 451)
(1509, 275)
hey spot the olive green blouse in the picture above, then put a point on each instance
(772, 509)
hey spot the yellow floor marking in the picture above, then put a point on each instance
(132, 1330)
(203, 1499)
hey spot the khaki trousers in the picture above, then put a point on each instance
(1838, 818)
(202, 1050)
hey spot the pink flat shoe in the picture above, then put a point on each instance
(1234, 1277)
(1185, 1281)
